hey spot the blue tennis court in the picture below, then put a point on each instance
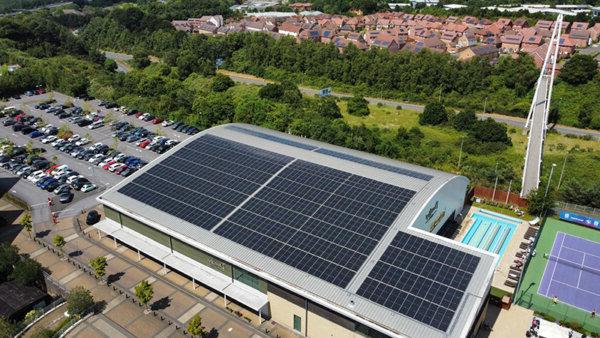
(572, 272)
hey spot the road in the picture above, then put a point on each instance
(535, 144)
(121, 60)
(509, 120)
(36, 8)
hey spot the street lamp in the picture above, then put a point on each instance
(547, 188)
(229, 330)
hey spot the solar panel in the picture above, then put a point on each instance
(420, 279)
(205, 180)
(272, 138)
(320, 220)
(375, 164)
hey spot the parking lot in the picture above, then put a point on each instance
(128, 153)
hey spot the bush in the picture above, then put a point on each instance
(358, 106)
(464, 120)
(221, 83)
(433, 114)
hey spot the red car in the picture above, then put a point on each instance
(144, 144)
(157, 120)
(138, 114)
(49, 170)
(120, 169)
(105, 167)
(40, 91)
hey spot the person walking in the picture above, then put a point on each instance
(593, 314)
(555, 300)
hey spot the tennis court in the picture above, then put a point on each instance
(572, 272)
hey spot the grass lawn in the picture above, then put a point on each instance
(527, 295)
(582, 154)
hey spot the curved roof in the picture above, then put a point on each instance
(355, 198)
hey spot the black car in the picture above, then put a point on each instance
(66, 197)
(50, 187)
(84, 122)
(18, 127)
(41, 165)
(110, 105)
(92, 217)
(63, 115)
(52, 131)
(9, 122)
(176, 125)
(27, 130)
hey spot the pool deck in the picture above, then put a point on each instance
(501, 273)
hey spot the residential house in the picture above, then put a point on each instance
(182, 25)
(567, 46)
(327, 35)
(492, 40)
(206, 28)
(485, 51)
(532, 42)
(289, 29)
(504, 24)
(580, 26)
(511, 43)
(386, 41)
(520, 24)
(216, 20)
(471, 21)
(301, 6)
(581, 39)
(449, 38)
(594, 32)
(466, 40)
(310, 34)
(544, 25)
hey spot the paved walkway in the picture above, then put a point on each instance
(175, 298)
(515, 322)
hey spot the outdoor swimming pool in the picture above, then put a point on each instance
(490, 231)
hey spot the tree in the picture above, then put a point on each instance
(6, 328)
(59, 242)
(144, 292)
(9, 256)
(579, 69)
(99, 264)
(140, 59)
(64, 132)
(537, 204)
(27, 272)
(252, 110)
(358, 106)
(584, 118)
(213, 109)
(26, 223)
(79, 301)
(328, 108)
(489, 130)
(553, 116)
(433, 114)
(221, 83)
(271, 91)
(464, 120)
(111, 65)
(195, 327)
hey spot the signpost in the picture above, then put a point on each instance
(580, 219)
(219, 62)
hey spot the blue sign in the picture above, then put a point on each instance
(219, 62)
(580, 219)
(325, 92)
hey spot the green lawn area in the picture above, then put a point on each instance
(583, 154)
(527, 295)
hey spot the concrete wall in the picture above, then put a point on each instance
(283, 311)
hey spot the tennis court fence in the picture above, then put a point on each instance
(577, 208)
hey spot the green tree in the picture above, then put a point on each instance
(79, 301)
(59, 242)
(6, 328)
(26, 223)
(195, 327)
(489, 130)
(579, 69)
(358, 106)
(27, 272)
(252, 110)
(328, 108)
(140, 59)
(64, 132)
(584, 118)
(144, 292)
(271, 91)
(464, 120)
(111, 65)
(221, 83)
(553, 116)
(9, 256)
(99, 265)
(433, 114)
(213, 109)
(539, 205)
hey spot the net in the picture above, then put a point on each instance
(575, 265)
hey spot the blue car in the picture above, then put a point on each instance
(48, 183)
(41, 181)
(36, 134)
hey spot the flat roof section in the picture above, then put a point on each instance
(326, 222)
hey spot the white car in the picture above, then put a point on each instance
(74, 138)
(167, 123)
(49, 139)
(46, 127)
(60, 169)
(143, 116)
(96, 159)
(97, 124)
(95, 146)
(88, 187)
(115, 166)
(105, 162)
(82, 141)
(57, 142)
(72, 179)
(119, 157)
(37, 177)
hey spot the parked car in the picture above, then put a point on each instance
(36, 134)
(95, 125)
(87, 187)
(66, 197)
(92, 217)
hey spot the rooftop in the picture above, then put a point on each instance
(323, 221)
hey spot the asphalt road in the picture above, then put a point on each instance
(121, 60)
(509, 120)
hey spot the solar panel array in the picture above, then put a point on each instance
(420, 279)
(272, 138)
(205, 180)
(375, 164)
(320, 220)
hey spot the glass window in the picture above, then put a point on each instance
(297, 323)
(249, 279)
